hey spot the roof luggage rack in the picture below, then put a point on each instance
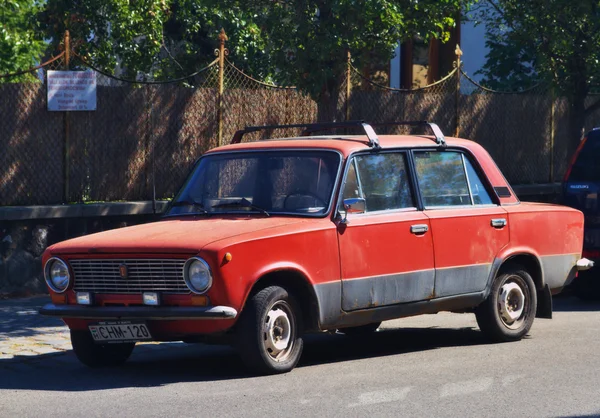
(310, 128)
(313, 127)
(437, 132)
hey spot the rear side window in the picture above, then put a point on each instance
(478, 191)
(587, 167)
(448, 179)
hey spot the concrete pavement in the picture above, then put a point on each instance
(432, 365)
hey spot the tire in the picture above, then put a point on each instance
(99, 355)
(508, 312)
(269, 332)
(361, 330)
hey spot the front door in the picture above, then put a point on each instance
(468, 228)
(386, 252)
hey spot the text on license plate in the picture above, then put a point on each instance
(121, 331)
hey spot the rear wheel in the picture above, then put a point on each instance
(508, 312)
(361, 330)
(269, 335)
(99, 355)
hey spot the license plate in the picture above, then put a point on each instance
(120, 332)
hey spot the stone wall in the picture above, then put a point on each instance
(23, 242)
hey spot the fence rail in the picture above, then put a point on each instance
(144, 136)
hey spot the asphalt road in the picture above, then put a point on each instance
(434, 365)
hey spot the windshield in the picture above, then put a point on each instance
(270, 182)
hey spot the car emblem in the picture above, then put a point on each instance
(123, 271)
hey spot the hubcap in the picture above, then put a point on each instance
(512, 302)
(278, 331)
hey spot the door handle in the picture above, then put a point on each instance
(419, 229)
(498, 223)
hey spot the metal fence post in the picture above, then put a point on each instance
(221, 52)
(458, 64)
(552, 132)
(66, 125)
(348, 83)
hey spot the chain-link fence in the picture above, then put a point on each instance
(31, 140)
(142, 140)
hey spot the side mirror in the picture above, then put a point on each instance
(355, 205)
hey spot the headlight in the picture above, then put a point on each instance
(57, 275)
(197, 275)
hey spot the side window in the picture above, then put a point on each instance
(480, 195)
(444, 182)
(351, 189)
(381, 179)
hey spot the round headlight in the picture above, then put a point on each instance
(57, 275)
(197, 275)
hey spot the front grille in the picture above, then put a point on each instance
(143, 275)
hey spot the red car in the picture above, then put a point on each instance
(269, 240)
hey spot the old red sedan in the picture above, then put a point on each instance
(269, 240)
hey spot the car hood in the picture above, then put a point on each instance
(181, 235)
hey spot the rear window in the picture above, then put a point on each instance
(587, 165)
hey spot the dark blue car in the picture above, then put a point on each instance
(580, 190)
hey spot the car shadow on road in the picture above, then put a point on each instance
(159, 366)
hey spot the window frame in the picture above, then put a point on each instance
(351, 160)
(465, 155)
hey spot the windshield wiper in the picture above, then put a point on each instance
(242, 203)
(195, 205)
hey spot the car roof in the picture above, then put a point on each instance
(345, 144)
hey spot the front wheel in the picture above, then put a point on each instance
(99, 355)
(269, 332)
(508, 312)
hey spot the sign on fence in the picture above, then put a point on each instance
(71, 90)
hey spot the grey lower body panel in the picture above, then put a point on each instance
(460, 280)
(385, 290)
(559, 270)
(384, 313)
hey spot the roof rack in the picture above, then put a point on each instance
(310, 128)
(314, 127)
(437, 132)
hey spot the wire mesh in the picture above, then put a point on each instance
(31, 141)
(514, 127)
(375, 103)
(248, 102)
(144, 137)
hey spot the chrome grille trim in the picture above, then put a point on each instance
(144, 275)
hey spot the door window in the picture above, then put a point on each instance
(448, 178)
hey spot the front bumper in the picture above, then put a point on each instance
(139, 312)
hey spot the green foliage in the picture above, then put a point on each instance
(299, 43)
(20, 48)
(308, 39)
(111, 32)
(553, 40)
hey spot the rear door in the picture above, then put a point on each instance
(468, 228)
(581, 189)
